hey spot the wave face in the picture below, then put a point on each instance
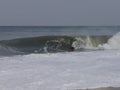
(52, 44)
(39, 44)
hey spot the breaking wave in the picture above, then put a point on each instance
(112, 43)
(41, 44)
(44, 44)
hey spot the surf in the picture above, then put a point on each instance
(40, 44)
(53, 44)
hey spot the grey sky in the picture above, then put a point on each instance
(59, 12)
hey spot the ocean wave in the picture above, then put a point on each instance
(112, 43)
(40, 44)
(45, 44)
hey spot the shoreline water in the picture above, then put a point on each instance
(60, 71)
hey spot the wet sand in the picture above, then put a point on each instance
(105, 88)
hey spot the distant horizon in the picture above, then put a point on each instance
(59, 25)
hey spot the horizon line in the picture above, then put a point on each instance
(58, 25)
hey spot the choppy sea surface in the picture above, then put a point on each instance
(59, 57)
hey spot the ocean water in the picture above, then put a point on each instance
(59, 57)
(26, 40)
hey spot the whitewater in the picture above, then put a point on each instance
(60, 71)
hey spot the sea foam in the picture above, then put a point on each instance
(113, 42)
(60, 71)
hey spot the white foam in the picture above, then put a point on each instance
(86, 43)
(60, 71)
(113, 43)
(83, 43)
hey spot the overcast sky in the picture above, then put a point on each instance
(59, 12)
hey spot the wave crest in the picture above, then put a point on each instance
(112, 43)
